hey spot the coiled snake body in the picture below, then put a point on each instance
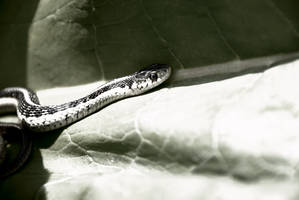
(40, 118)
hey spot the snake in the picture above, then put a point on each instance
(44, 118)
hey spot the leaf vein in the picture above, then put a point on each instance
(219, 32)
(283, 16)
(160, 37)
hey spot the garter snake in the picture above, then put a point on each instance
(41, 118)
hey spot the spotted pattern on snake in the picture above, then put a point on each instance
(40, 118)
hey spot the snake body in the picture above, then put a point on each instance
(40, 118)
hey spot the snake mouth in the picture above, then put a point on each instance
(163, 71)
(166, 70)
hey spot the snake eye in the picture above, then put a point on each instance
(154, 77)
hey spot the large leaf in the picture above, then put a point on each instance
(228, 139)
(69, 42)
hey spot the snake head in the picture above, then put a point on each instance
(154, 72)
(150, 77)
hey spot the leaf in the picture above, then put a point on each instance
(223, 139)
(90, 40)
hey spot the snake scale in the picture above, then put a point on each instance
(41, 118)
